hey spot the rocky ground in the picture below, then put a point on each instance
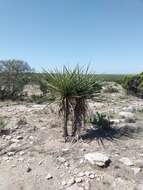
(33, 155)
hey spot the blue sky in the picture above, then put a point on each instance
(108, 34)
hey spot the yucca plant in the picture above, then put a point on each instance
(72, 88)
(86, 87)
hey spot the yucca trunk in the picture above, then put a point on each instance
(66, 116)
(77, 124)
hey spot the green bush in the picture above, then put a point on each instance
(99, 120)
(134, 84)
(43, 86)
(13, 77)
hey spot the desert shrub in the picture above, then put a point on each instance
(134, 84)
(43, 86)
(13, 77)
(99, 120)
(131, 83)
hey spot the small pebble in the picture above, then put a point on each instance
(78, 180)
(49, 176)
(29, 170)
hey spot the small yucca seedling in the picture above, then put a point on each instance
(100, 120)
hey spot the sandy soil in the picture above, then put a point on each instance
(33, 155)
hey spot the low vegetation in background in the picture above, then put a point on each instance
(111, 77)
(43, 86)
(134, 84)
(15, 74)
(13, 78)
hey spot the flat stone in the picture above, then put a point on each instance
(49, 176)
(29, 170)
(61, 159)
(126, 161)
(21, 159)
(5, 158)
(136, 170)
(8, 137)
(121, 184)
(21, 153)
(97, 158)
(87, 173)
(65, 150)
(15, 140)
(140, 186)
(81, 174)
(91, 176)
(64, 183)
(129, 109)
(115, 121)
(41, 162)
(71, 181)
(31, 138)
(78, 180)
(128, 117)
(14, 147)
(87, 186)
(19, 137)
(74, 187)
(67, 164)
(10, 153)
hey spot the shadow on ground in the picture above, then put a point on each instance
(4, 132)
(111, 134)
